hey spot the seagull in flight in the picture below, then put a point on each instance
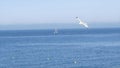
(81, 22)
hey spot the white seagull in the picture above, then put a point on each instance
(81, 22)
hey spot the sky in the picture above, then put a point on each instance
(35, 12)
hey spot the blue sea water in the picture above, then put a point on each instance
(70, 48)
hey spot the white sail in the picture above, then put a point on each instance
(55, 31)
(81, 22)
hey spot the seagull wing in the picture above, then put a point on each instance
(84, 24)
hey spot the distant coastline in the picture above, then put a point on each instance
(53, 26)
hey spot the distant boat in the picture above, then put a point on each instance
(81, 22)
(55, 31)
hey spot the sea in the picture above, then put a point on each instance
(69, 48)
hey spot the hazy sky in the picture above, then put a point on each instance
(59, 11)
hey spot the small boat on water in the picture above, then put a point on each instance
(55, 31)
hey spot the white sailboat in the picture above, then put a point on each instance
(55, 31)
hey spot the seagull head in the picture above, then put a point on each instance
(76, 17)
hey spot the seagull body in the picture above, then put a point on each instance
(82, 23)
